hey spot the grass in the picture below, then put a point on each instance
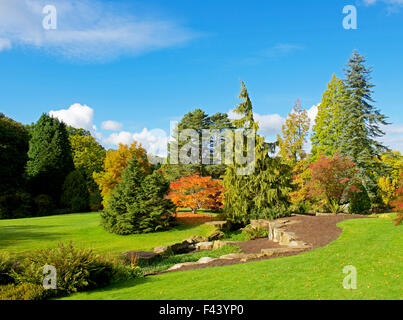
(373, 246)
(24, 235)
(162, 264)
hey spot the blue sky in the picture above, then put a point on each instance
(124, 68)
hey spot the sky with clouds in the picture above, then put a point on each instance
(125, 69)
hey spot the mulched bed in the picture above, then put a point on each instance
(315, 230)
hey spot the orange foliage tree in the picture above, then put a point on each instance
(197, 192)
(114, 163)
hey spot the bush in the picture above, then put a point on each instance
(43, 204)
(95, 201)
(15, 204)
(6, 269)
(272, 213)
(25, 291)
(75, 194)
(359, 201)
(138, 203)
(253, 233)
(77, 269)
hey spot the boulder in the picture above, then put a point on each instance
(232, 256)
(196, 239)
(204, 246)
(221, 225)
(182, 247)
(180, 265)
(162, 250)
(216, 235)
(205, 260)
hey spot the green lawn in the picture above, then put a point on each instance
(24, 235)
(373, 246)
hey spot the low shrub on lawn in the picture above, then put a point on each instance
(252, 233)
(164, 263)
(76, 270)
(6, 269)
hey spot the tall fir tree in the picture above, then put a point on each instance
(294, 133)
(361, 123)
(248, 196)
(328, 125)
(49, 157)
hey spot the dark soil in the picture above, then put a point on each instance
(318, 231)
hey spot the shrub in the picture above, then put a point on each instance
(75, 194)
(25, 291)
(359, 201)
(138, 203)
(272, 213)
(95, 201)
(43, 204)
(6, 269)
(77, 269)
(15, 204)
(253, 233)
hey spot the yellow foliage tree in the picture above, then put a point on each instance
(386, 189)
(114, 163)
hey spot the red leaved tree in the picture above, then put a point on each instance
(332, 180)
(197, 192)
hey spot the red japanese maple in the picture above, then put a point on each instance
(197, 192)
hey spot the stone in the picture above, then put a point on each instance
(286, 238)
(219, 244)
(180, 265)
(182, 247)
(251, 256)
(221, 225)
(274, 251)
(196, 239)
(265, 224)
(299, 244)
(205, 260)
(216, 235)
(232, 256)
(204, 246)
(162, 250)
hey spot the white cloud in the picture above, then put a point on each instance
(77, 116)
(88, 30)
(111, 125)
(5, 44)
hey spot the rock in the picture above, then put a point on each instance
(140, 255)
(219, 244)
(205, 260)
(216, 235)
(265, 224)
(299, 244)
(286, 238)
(180, 265)
(196, 239)
(182, 247)
(204, 246)
(221, 225)
(162, 250)
(251, 256)
(233, 256)
(274, 251)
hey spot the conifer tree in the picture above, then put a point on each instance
(259, 193)
(49, 157)
(361, 123)
(328, 126)
(138, 203)
(294, 131)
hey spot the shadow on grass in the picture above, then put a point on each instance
(10, 234)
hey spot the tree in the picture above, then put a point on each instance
(328, 125)
(294, 133)
(14, 143)
(264, 189)
(398, 202)
(386, 189)
(197, 120)
(361, 123)
(114, 163)
(75, 195)
(197, 192)
(50, 159)
(393, 160)
(138, 204)
(332, 181)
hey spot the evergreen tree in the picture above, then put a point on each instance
(50, 159)
(361, 123)
(328, 125)
(294, 133)
(138, 203)
(75, 195)
(263, 192)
